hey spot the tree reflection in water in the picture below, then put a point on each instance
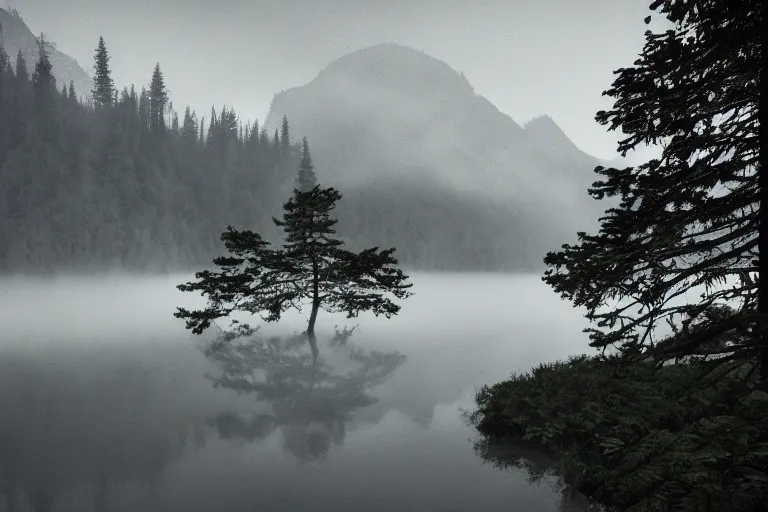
(85, 428)
(517, 455)
(306, 395)
(74, 425)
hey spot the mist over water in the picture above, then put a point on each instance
(105, 404)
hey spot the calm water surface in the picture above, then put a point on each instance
(108, 404)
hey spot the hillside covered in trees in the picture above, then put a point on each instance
(17, 37)
(124, 181)
(110, 178)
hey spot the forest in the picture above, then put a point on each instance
(112, 179)
(123, 181)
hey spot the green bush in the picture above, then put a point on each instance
(689, 436)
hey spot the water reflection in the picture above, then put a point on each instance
(538, 466)
(68, 436)
(305, 391)
(103, 410)
(78, 425)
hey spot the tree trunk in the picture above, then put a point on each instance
(312, 339)
(312, 319)
(315, 307)
(311, 327)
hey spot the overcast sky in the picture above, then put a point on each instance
(528, 57)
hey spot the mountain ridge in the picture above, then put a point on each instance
(16, 35)
(389, 114)
(405, 107)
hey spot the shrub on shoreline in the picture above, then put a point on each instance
(685, 436)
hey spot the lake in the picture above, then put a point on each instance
(108, 403)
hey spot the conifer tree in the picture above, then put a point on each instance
(256, 134)
(42, 78)
(103, 86)
(145, 117)
(312, 266)
(72, 94)
(285, 142)
(692, 218)
(284, 136)
(189, 127)
(211, 128)
(22, 73)
(158, 98)
(306, 179)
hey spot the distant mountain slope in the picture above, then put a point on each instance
(17, 36)
(388, 115)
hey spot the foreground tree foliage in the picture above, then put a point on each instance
(674, 422)
(690, 220)
(690, 436)
(312, 266)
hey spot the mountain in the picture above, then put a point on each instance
(15, 36)
(395, 130)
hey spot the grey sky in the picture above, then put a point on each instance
(528, 57)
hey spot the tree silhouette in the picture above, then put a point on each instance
(285, 142)
(22, 73)
(311, 265)
(103, 86)
(306, 179)
(158, 98)
(692, 218)
(43, 81)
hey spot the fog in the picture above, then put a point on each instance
(464, 138)
(424, 161)
(515, 53)
(106, 403)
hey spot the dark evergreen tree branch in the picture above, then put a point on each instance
(690, 218)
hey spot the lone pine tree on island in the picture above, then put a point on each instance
(312, 266)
